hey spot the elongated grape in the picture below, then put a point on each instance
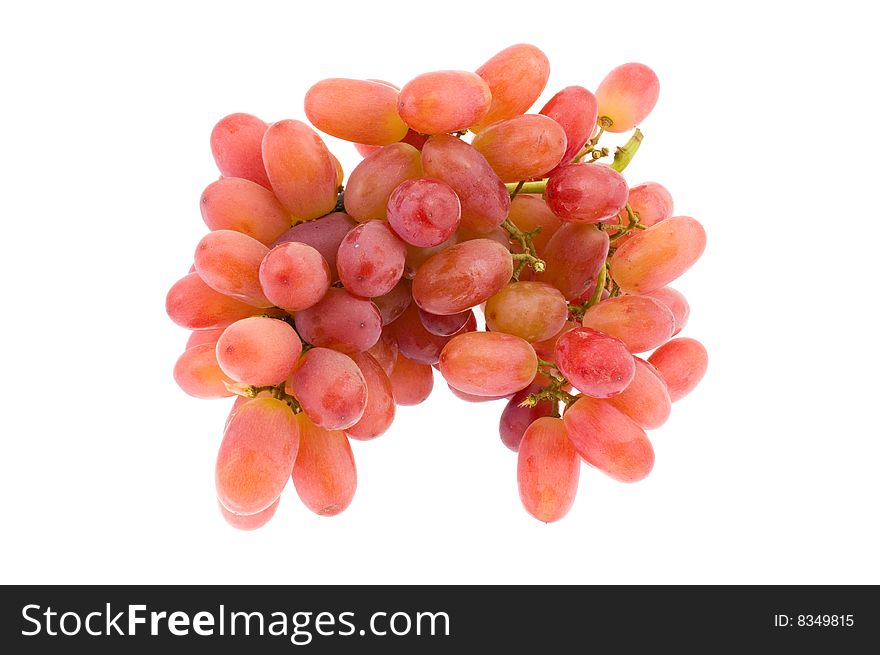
(529, 212)
(424, 212)
(394, 303)
(385, 352)
(657, 256)
(259, 351)
(379, 411)
(523, 147)
(534, 311)
(595, 363)
(444, 325)
(573, 256)
(324, 235)
(416, 256)
(324, 474)
(256, 456)
(576, 111)
(370, 259)
(546, 349)
(676, 303)
(229, 262)
(233, 203)
(300, 169)
(294, 276)
(682, 363)
(484, 199)
(516, 77)
(199, 375)
(199, 337)
(413, 340)
(249, 521)
(340, 321)
(362, 111)
(411, 382)
(488, 363)
(646, 400)
(642, 323)
(444, 101)
(609, 440)
(194, 305)
(516, 418)
(548, 469)
(586, 193)
(236, 143)
(462, 276)
(330, 388)
(651, 201)
(373, 180)
(627, 95)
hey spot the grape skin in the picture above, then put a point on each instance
(259, 351)
(249, 521)
(596, 364)
(642, 323)
(341, 321)
(516, 76)
(294, 276)
(515, 417)
(324, 235)
(324, 474)
(362, 111)
(548, 470)
(444, 101)
(194, 305)
(574, 255)
(488, 363)
(411, 382)
(576, 110)
(586, 193)
(682, 363)
(233, 203)
(424, 212)
(379, 411)
(534, 311)
(627, 95)
(330, 388)
(646, 399)
(229, 262)
(522, 148)
(236, 143)
(370, 259)
(198, 373)
(372, 182)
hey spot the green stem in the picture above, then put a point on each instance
(517, 189)
(600, 285)
(624, 155)
(527, 187)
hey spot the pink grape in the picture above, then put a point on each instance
(627, 95)
(362, 111)
(324, 474)
(394, 303)
(385, 352)
(642, 323)
(523, 147)
(415, 256)
(259, 351)
(340, 321)
(609, 440)
(233, 203)
(444, 325)
(370, 259)
(444, 101)
(516, 77)
(548, 469)
(529, 212)
(646, 400)
(372, 182)
(515, 418)
(574, 255)
(651, 201)
(595, 363)
(412, 382)
(194, 305)
(412, 138)
(229, 262)
(657, 256)
(586, 193)
(379, 411)
(249, 521)
(676, 303)
(294, 276)
(682, 363)
(534, 311)
(324, 235)
(199, 337)
(488, 363)
(236, 143)
(300, 168)
(413, 340)
(484, 199)
(424, 212)
(462, 276)
(330, 388)
(256, 456)
(546, 349)
(576, 110)
(199, 375)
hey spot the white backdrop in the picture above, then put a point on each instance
(765, 131)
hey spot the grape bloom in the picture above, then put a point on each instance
(482, 238)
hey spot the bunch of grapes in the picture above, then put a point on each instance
(518, 262)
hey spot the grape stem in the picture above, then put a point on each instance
(578, 311)
(624, 154)
(527, 187)
(590, 147)
(529, 256)
(517, 189)
(277, 391)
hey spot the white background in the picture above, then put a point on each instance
(765, 131)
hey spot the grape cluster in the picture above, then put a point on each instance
(518, 262)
